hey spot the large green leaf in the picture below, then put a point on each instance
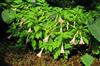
(94, 27)
(8, 16)
(87, 59)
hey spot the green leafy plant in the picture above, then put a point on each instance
(44, 27)
(52, 29)
(87, 59)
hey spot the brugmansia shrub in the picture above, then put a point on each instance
(54, 30)
(50, 29)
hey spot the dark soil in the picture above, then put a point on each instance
(20, 57)
(30, 59)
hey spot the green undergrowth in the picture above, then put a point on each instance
(50, 29)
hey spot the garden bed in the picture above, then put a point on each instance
(22, 57)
